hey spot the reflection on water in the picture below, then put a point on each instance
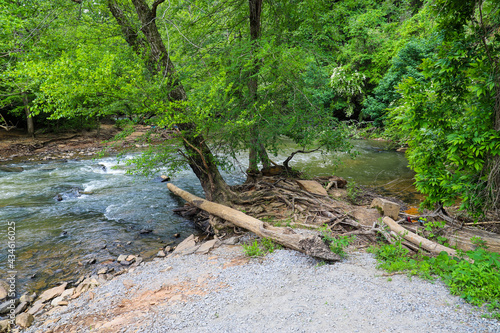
(68, 212)
(375, 166)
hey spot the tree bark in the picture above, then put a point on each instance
(416, 239)
(257, 151)
(311, 245)
(29, 119)
(197, 152)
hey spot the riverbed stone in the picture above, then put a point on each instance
(56, 301)
(103, 270)
(231, 241)
(388, 208)
(4, 290)
(11, 169)
(7, 305)
(207, 246)
(312, 186)
(39, 305)
(4, 326)
(160, 254)
(27, 298)
(187, 243)
(21, 307)
(122, 257)
(24, 320)
(47, 295)
(131, 258)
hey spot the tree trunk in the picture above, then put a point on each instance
(197, 152)
(29, 119)
(257, 151)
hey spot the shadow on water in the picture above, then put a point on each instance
(68, 214)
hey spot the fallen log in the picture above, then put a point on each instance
(462, 239)
(310, 245)
(424, 243)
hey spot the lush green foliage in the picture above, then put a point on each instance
(476, 279)
(253, 250)
(337, 244)
(258, 250)
(449, 116)
(433, 64)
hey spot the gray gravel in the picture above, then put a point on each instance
(283, 292)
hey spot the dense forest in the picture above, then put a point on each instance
(236, 75)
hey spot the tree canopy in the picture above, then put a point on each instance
(238, 75)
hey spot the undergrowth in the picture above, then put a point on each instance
(476, 278)
(259, 250)
(337, 244)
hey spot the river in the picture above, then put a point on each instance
(105, 212)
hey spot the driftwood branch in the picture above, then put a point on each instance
(310, 245)
(426, 244)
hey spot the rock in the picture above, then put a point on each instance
(55, 301)
(131, 258)
(36, 307)
(47, 295)
(67, 293)
(57, 309)
(21, 307)
(207, 246)
(312, 187)
(103, 270)
(231, 241)
(27, 298)
(366, 216)
(4, 290)
(145, 231)
(387, 207)
(168, 249)
(6, 306)
(161, 254)
(24, 320)
(11, 169)
(164, 178)
(177, 235)
(188, 243)
(4, 326)
(122, 257)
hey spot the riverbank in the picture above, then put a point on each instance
(15, 145)
(225, 291)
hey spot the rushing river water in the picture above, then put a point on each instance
(69, 212)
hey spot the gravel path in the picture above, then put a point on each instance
(283, 292)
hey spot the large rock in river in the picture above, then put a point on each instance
(11, 169)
